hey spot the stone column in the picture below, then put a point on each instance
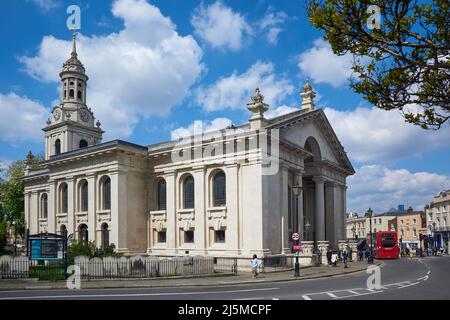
(284, 209)
(171, 210)
(52, 205)
(299, 204)
(72, 199)
(344, 209)
(200, 210)
(232, 203)
(319, 221)
(92, 216)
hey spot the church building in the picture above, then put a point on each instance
(238, 191)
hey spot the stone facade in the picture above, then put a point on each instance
(438, 218)
(229, 192)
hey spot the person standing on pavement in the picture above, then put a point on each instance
(345, 257)
(255, 263)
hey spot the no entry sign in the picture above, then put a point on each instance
(295, 236)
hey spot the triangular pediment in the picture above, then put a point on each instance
(297, 126)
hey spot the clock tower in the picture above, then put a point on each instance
(72, 125)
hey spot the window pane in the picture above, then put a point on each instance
(84, 196)
(64, 198)
(188, 193)
(162, 236)
(189, 236)
(219, 189)
(107, 194)
(219, 236)
(162, 195)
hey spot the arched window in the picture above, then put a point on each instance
(105, 235)
(83, 233)
(161, 195)
(188, 192)
(57, 146)
(65, 94)
(63, 198)
(44, 206)
(84, 196)
(79, 95)
(219, 189)
(83, 144)
(71, 93)
(106, 194)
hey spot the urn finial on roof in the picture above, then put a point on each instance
(308, 96)
(257, 107)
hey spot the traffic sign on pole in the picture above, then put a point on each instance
(295, 236)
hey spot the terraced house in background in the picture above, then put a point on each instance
(152, 199)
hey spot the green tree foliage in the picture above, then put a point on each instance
(404, 64)
(89, 249)
(11, 192)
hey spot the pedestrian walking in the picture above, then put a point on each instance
(329, 254)
(255, 263)
(345, 257)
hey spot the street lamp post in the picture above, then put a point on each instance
(434, 239)
(296, 189)
(369, 214)
(307, 227)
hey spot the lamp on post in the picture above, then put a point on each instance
(296, 189)
(307, 227)
(434, 239)
(369, 214)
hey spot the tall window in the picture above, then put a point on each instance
(106, 196)
(84, 196)
(219, 189)
(63, 198)
(44, 206)
(57, 146)
(83, 144)
(83, 233)
(161, 190)
(72, 93)
(105, 235)
(188, 192)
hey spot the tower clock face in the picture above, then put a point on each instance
(57, 114)
(84, 115)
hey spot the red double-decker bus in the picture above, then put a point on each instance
(385, 245)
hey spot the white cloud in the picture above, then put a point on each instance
(272, 113)
(321, 65)
(381, 188)
(144, 70)
(199, 126)
(21, 119)
(270, 24)
(220, 26)
(46, 5)
(379, 136)
(234, 92)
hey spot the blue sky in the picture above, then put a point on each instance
(158, 67)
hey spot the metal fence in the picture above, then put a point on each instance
(139, 266)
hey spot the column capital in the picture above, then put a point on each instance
(319, 179)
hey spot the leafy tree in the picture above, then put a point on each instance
(11, 195)
(89, 249)
(404, 62)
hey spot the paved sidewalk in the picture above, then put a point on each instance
(213, 280)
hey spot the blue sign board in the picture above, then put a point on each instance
(47, 249)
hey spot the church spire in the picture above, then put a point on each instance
(74, 45)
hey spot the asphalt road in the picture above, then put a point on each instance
(425, 278)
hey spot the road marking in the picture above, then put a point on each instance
(360, 294)
(332, 295)
(354, 292)
(134, 294)
(306, 298)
